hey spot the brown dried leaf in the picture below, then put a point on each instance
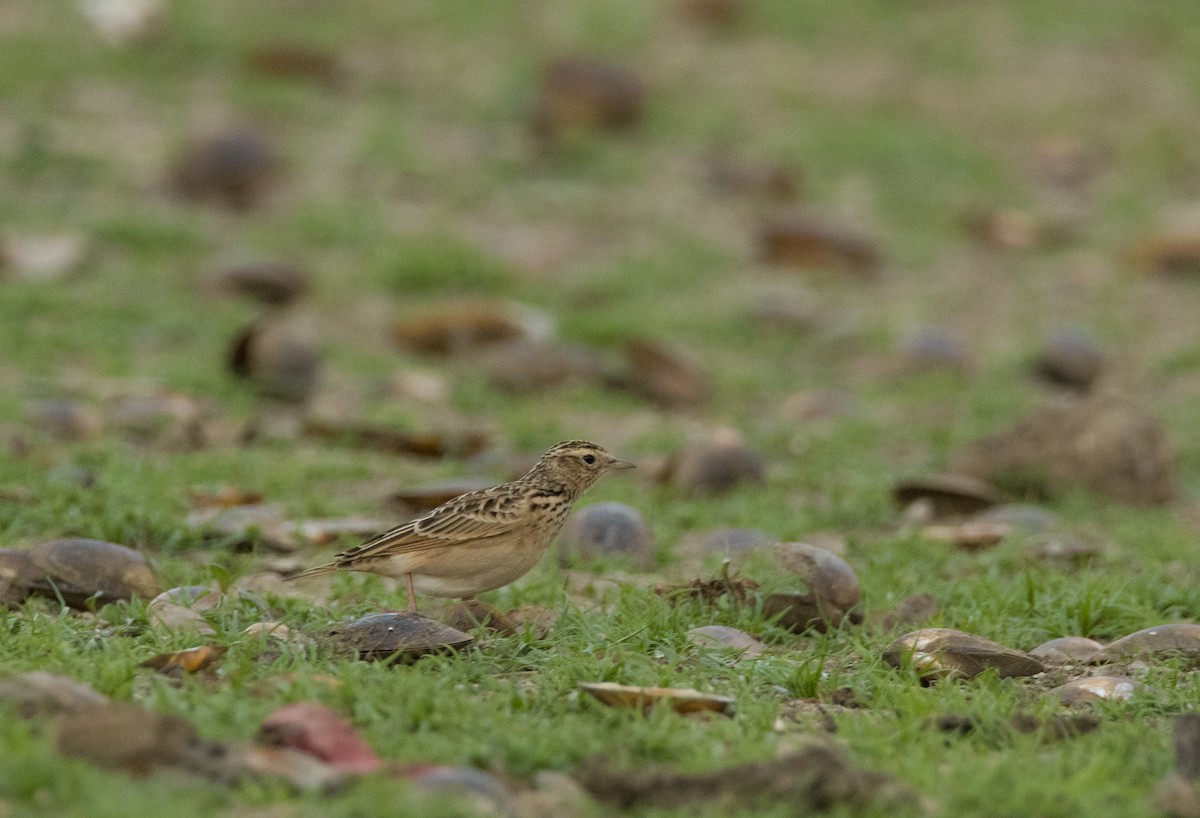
(1170, 254)
(708, 591)
(805, 241)
(296, 61)
(662, 375)
(378, 438)
(681, 700)
(192, 660)
(582, 93)
(459, 326)
(223, 496)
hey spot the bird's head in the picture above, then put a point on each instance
(577, 463)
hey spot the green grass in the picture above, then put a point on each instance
(898, 117)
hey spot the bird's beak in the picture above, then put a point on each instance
(617, 464)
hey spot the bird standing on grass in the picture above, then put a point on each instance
(483, 539)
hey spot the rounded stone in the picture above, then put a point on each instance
(607, 530)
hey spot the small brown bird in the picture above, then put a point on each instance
(483, 539)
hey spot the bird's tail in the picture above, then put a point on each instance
(315, 571)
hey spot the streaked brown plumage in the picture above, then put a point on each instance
(483, 539)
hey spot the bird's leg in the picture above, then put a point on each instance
(412, 593)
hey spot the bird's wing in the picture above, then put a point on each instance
(479, 515)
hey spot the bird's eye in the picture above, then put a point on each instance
(590, 459)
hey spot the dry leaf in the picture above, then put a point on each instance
(808, 242)
(192, 660)
(681, 700)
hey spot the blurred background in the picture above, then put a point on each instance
(852, 238)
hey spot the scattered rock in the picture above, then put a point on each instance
(469, 614)
(490, 794)
(1008, 229)
(662, 376)
(293, 61)
(124, 22)
(42, 258)
(805, 241)
(1057, 727)
(1071, 358)
(1096, 688)
(1170, 254)
(328, 531)
(1067, 650)
(720, 636)
(278, 354)
(681, 700)
(168, 419)
(382, 439)
(537, 619)
(833, 591)
(414, 501)
(816, 778)
(732, 176)
(727, 541)
(932, 348)
(607, 530)
(232, 764)
(461, 326)
(269, 630)
(1063, 548)
(969, 536)
(37, 693)
(273, 283)
(1019, 517)
(951, 495)
(181, 608)
(247, 526)
(716, 465)
(314, 729)
(1177, 794)
(1104, 443)
(65, 419)
(395, 637)
(912, 610)
(18, 575)
(1161, 641)
(582, 93)
(524, 366)
(950, 654)
(234, 169)
(83, 573)
(124, 736)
